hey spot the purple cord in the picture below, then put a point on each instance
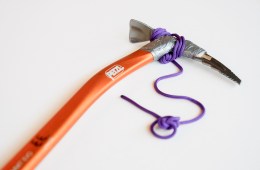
(169, 122)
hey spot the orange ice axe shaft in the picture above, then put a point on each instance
(36, 149)
(39, 146)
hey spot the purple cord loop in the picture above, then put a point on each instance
(169, 122)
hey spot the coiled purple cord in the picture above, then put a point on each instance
(169, 122)
(178, 47)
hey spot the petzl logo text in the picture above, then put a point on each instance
(114, 71)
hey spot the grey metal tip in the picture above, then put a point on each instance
(139, 32)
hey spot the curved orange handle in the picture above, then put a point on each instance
(39, 146)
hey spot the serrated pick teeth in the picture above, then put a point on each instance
(212, 62)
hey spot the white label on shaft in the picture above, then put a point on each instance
(114, 71)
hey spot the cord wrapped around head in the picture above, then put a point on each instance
(178, 48)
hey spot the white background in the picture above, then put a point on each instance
(48, 49)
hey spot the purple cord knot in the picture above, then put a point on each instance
(178, 48)
(166, 123)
